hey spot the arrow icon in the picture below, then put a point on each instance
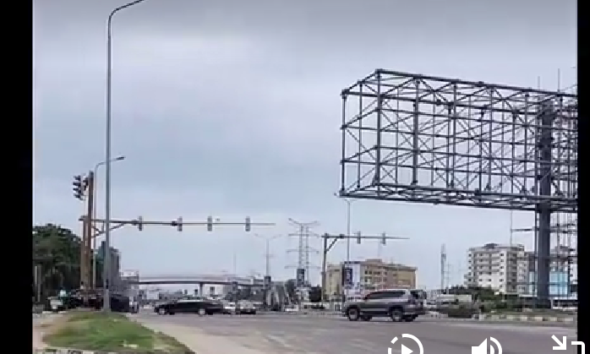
(406, 350)
(561, 345)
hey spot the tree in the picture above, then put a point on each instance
(56, 250)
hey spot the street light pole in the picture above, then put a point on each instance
(348, 232)
(348, 223)
(108, 158)
(267, 254)
(102, 163)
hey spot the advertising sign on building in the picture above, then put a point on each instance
(355, 288)
(300, 277)
(347, 282)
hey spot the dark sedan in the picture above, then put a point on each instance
(198, 306)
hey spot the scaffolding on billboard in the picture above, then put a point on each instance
(427, 139)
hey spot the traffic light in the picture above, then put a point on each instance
(358, 237)
(140, 223)
(179, 224)
(383, 239)
(78, 187)
(209, 223)
(247, 224)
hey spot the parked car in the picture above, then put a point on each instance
(245, 307)
(229, 307)
(397, 304)
(198, 306)
(76, 299)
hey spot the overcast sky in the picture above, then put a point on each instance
(232, 109)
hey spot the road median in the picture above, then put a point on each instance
(200, 341)
(90, 331)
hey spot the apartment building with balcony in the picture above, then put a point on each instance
(503, 268)
(509, 269)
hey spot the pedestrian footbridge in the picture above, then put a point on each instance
(201, 279)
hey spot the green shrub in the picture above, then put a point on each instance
(460, 311)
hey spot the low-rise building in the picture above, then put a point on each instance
(367, 275)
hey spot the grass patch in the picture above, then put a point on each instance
(111, 332)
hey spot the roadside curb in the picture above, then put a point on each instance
(436, 314)
(66, 351)
(312, 313)
(524, 318)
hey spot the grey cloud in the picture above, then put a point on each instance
(233, 108)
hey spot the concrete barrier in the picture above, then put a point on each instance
(525, 318)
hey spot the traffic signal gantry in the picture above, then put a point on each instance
(140, 223)
(330, 240)
(179, 223)
(84, 190)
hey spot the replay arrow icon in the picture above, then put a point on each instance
(561, 345)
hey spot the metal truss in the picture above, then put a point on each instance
(408, 137)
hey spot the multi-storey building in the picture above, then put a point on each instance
(499, 267)
(368, 275)
(509, 269)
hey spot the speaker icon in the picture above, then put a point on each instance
(485, 348)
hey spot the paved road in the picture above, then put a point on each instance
(324, 335)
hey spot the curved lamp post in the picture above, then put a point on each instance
(108, 158)
(102, 163)
(348, 221)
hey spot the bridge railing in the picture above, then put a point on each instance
(202, 278)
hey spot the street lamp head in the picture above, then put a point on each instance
(119, 158)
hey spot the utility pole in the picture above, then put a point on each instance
(267, 257)
(267, 277)
(443, 267)
(83, 187)
(88, 225)
(83, 252)
(38, 274)
(330, 240)
(348, 222)
(303, 251)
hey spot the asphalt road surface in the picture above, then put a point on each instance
(326, 335)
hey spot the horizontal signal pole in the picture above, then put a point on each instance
(562, 229)
(330, 241)
(179, 223)
(176, 223)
